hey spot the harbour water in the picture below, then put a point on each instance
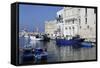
(56, 53)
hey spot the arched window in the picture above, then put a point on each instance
(73, 27)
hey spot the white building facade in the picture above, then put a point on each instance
(78, 21)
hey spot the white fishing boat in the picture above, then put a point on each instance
(35, 38)
(26, 36)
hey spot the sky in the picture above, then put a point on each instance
(34, 16)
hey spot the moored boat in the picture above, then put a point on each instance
(73, 41)
(35, 38)
(68, 42)
(46, 38)
(34, 54)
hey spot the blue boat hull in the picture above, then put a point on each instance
(73, 42)
(64, 42)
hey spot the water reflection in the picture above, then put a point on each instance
(56, 53)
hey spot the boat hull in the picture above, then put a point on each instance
(62, 42)
(34, 38)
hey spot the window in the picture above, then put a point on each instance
(85, 15)
(73, 27)
(73, 21)
(88, 26)
(66, 21)
(60, 18)
(79, 10)
(80, 27)
(85, 20)
(79, 21)
(69, 27)
(66, 28)
(86, 12)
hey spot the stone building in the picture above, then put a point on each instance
(87, 23)
(78, 21)
(51, 27)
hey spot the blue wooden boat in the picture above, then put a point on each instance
(34, 54)
(40, 54)
(64, 42)
(78, 42)
(27, 55)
